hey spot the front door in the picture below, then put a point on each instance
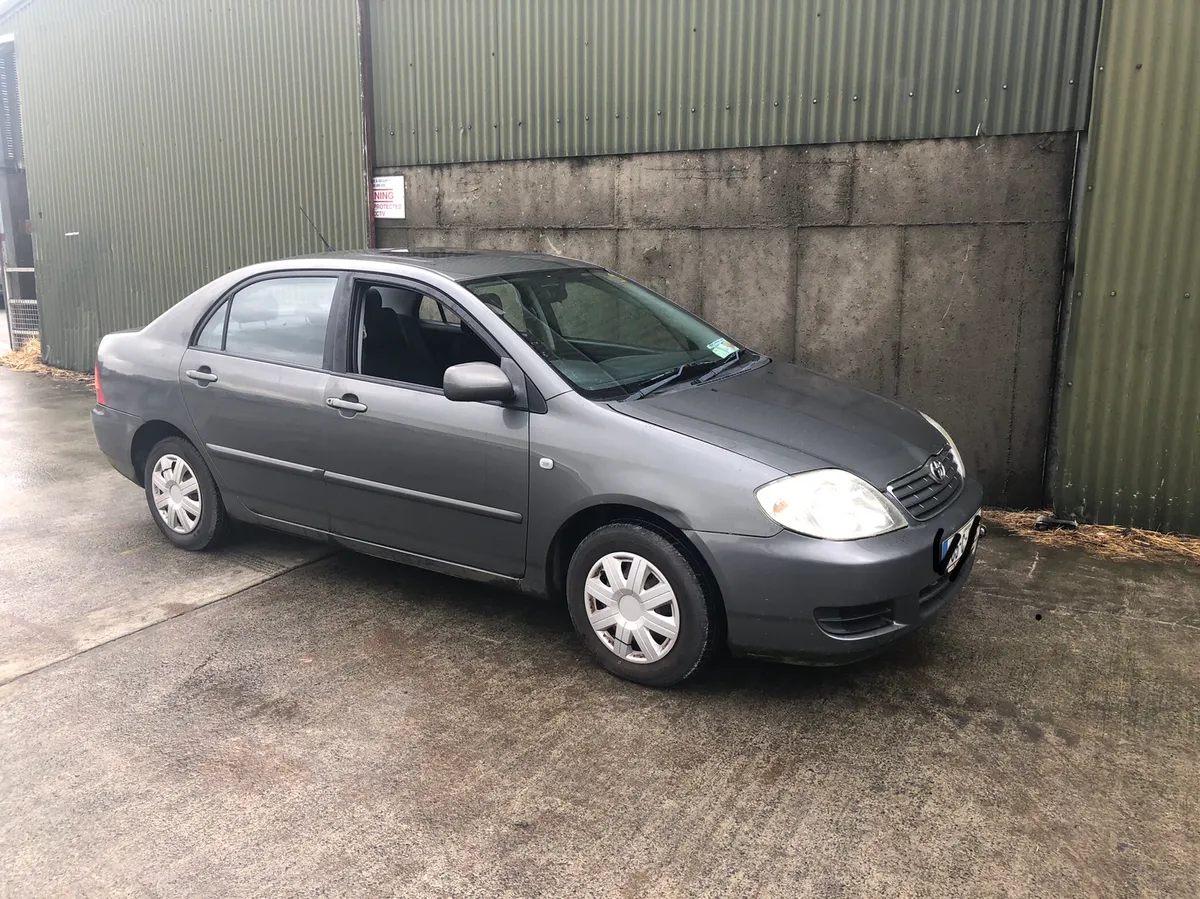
(408, 469)
(254, 385)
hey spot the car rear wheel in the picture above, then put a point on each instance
(183, 497)
(641, 607)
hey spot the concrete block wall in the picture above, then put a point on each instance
(927, 271)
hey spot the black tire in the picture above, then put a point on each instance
(699, 616)
(214, 522)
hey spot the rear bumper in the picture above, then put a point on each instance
(824, 602)
(114, 435)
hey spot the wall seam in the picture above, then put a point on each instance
(661, 226)
(1012, 405)
(850, 201)
(795, 276)
(902, 288)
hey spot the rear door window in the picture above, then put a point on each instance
(281, 320)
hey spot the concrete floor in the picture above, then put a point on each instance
(343, 726)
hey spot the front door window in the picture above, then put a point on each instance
(407, 336)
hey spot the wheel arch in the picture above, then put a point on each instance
(583, 522)
(144, 440)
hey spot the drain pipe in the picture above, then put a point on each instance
(1063, 326)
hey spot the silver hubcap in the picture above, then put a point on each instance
(632, 607)
(176, 494)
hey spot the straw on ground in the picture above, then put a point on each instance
(1108, 541)
(29, 358)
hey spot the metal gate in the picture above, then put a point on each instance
(16, 252)
(21, 310)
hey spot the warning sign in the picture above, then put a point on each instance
(389, 197)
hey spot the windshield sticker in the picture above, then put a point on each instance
(722, 347)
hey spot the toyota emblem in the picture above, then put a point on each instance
(937, 470)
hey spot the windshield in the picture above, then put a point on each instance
(607, 336)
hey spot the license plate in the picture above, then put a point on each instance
(960, 541)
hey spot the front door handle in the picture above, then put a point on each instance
(204, 376)
(347, 404)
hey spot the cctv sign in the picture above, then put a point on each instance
(389, 196)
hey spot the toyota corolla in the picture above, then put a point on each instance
(547, 425)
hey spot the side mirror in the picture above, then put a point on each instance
(477, 382)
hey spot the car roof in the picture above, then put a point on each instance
(457, 264)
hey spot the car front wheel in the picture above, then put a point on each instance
(183, 497)
(641, 607)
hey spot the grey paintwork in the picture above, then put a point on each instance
(477, 382)
(482, 489)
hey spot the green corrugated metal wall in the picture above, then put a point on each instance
(467, 80)
(1129, 431)
(179, 141)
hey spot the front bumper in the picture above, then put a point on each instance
(827, 602)
(114, 435)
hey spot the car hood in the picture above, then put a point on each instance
(794, 419)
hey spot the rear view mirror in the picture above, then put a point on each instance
(477, 382)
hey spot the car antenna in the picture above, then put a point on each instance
(328, 248)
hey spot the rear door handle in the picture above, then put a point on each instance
(204, 377)
(349, 405)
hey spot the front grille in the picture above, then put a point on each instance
(855, 621)
(921, 494)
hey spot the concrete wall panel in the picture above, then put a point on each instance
(408, 238)
(730, 188)
(848, 304)
(526, 240)
(666, 261)
(959, 329)
(590, 245)
(939, 182)
(942, 291)
(748, 279)
(566, 193)
(662, 189)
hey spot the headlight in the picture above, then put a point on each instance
(962, 469)
(831, 504)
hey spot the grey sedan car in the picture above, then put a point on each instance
(546, 425)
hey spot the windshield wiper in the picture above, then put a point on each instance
(663, 382)
(724, 366)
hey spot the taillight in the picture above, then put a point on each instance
(99, 389)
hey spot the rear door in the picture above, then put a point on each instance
(412, 471)
(254, 382)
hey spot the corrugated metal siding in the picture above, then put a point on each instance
(434, 77)
(179, 140)
(1130, 423)
(466, 80)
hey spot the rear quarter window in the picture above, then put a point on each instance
(212, 335)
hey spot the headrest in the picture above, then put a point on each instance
(493, 300)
